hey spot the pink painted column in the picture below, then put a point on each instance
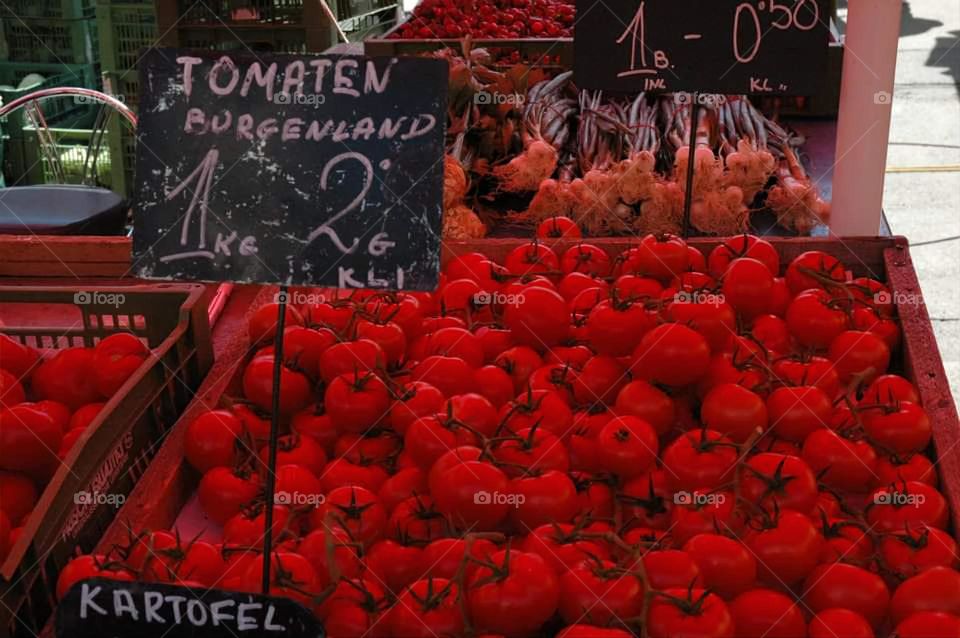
(863, 125)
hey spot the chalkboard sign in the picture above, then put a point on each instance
(101, 608)
(770, 47)
(324, 170)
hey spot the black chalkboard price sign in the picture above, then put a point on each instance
(773, 47)
(101, 608)
(259, 168)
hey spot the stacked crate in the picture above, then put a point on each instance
(280, 26)
(46, 44)
(106, 37)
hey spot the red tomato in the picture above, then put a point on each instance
(743, 246)
(213, 440)
(354, 509)
(734, 411)
(787, 550)
(542, 408)
(814, 320)
(16, 358)
(291, 576)
(599, 381)
(726, 566)
(902, 428)
(514, 596)
(80, 568)
(66, 377)
(904, 505)
(445, 555)
(779, 481)
(585, 258)
(859, 354)
(450, 375)
(700, 459)
(748, 287)
(831, 623)
(351, 357)
(888, 389)
(294, 449)
(839, 462)
(910, 552)
(558, 227)
(548, 498)
(929, 624)
(83, 417)
(295, 390)
(115, 359)
(796, 412)
(814, 269)
(616, 327)
(417, 520)
(262, 326)
(661, 257)
(18, 495)
(428, 608)
(532, 258)
(29, 442)
(627, 446)
(599, 593)
(936, 589)
(356, 402)
(647, 402)
(764, 612)
(692, 613)
(472, 494)
(11, 390)
(223, 492)
(848, 587)
(708, 314)
(669, 568)
(539, 318)
(672, 354)
(563, 548)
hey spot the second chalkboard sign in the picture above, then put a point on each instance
(767, 47)
(323, 170)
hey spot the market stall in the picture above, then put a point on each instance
(444, 333)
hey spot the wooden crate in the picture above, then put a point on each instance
(64, 256)
(170, 481)
(120, 442)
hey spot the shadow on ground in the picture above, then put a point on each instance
(946, 54)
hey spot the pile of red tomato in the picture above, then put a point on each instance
(46, 403)
(662, 443)
(498, 19)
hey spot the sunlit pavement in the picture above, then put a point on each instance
(922, 190)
